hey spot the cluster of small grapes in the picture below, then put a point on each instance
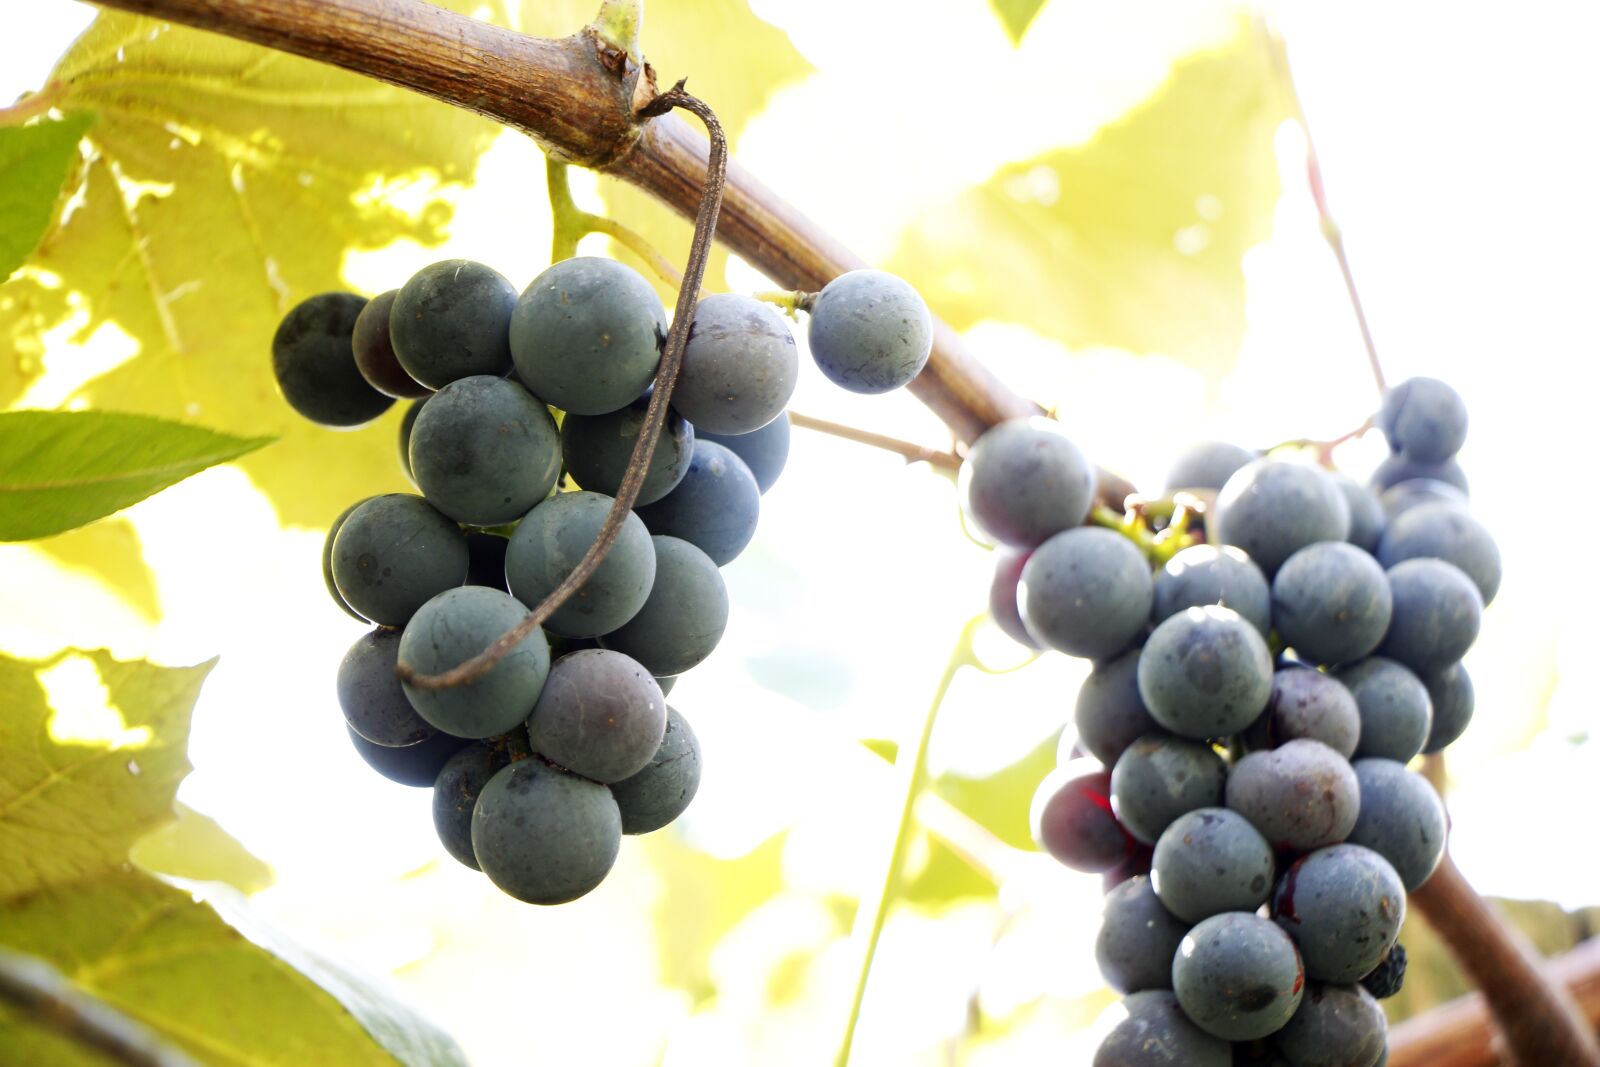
(541, 764)
(1256, 701)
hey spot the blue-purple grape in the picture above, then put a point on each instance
(1238, 976)
(1343, 905)
(1301, 795)
(1205, 673)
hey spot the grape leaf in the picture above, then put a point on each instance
(62, 469)
(72, 808)
(1133, 240)
(221, 987)
(226, 182)
(1016, 15)
(110, 552)
(194, 847)
(34, 163)
(1000, 801)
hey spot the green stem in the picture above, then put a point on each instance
(790, 302)
(31, 106)
(567, 219)
(912, 761)
(618, 25)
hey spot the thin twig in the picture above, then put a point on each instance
(43, 995)
(1324, 449)
(31, 106)
(571, 224)
(911, 451)
(655, 417)
(1330, 228)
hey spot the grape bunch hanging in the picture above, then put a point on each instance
(1252, 707)
(540, 765)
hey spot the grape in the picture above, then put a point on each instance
(1110, 713)
(370, 696)
(1272, 509)
(327, 561)
(414, 765)
(1238, 976)
(1086, 592)
(1425, 419)
(586, 336)
(1257, 1054)
(1138, 938)
(1205, 673)
(1396, 714)
(1072, 821)
(315, 365)
(715, 507)
(1008, 564)
(683, 618)
(600, 715)
(764, 451)
(870, 331)
(1207, 465)
(393, 553)
(1397, 469)
(740, 365)
(1209, 861)
(1025, 481)
(452, 628)
(407, 424)
(1208, 574)
(596, 450)
(1160, 778)
(1343, 905)
(1301, 795)
(1367, 516)
(455, 793)
(1306, 703)
(1451, 694)
(484, 451)
(1444, 531)
(1336, 1026)
(1389, 977)
(1402, 819)
(486, 559)
(1156, 1033)
(548, 545)
(1136, 865)
(1403, 496)
(1437, 612)
(1331, 602)
(543, 835)
(661, 792)
(450, 321)
(666, 683)
(375, 357)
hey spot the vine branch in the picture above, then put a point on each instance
(46, 997)
(910, 450)
(705, 227)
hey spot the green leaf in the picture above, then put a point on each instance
(34, 163)
(231, 993)
(91, 753)
(229, 182)
(1016, 15)
(1000, 801)
(196, 848)
(62, 469)
(110, 552)
(1133, 240)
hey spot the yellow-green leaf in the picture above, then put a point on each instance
(219, 986)
(1133, 240)
(62, 469)
(196, 848)
(1000, 801)
(34, 162)
(110, 552)
(226, 183)
(1016, 15)
(91, 753)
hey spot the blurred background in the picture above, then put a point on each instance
(1114, 211)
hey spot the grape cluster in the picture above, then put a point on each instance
(1254, 700)
(540, 765)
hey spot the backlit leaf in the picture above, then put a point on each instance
(34, 162)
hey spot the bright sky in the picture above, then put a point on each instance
(1457, 156)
